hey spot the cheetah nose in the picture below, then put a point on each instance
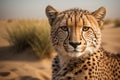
(75, 44)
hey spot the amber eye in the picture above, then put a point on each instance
(85, 28)
(64, 28)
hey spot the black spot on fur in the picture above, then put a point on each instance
(69, 78)
(93, 59)
(96, 56)
(85, 68)
(80, 71)
(88, 58)
(85, 77)
(53, 65)
(93, 63)
(56, 61)
(92, 67)
(76, 73)
(88, 62)
(89, 73)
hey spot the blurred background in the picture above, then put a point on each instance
(25, 49)
(35, 9)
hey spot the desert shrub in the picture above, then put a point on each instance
(117, 23)
(30, 34)
(107, 21)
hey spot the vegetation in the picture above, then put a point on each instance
(117, 23)
(32, 34)
(107, 21)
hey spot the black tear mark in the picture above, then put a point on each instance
(4, 74)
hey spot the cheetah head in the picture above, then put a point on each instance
(75, 32)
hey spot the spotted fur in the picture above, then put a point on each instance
(76, 37)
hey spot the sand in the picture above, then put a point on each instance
(26, 66)
(111, 38)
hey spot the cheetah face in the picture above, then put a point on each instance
(75, 32)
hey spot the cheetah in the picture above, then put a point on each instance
(76, 37)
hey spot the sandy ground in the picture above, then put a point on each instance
(22, 66)
(26, 66)
(111, 38)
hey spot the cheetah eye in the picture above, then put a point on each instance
(85, 28)
(64, 28)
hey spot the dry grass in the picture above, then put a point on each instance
(117, 23)
(107, 21)
(32, 34)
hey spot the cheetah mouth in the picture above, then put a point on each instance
(74, 51)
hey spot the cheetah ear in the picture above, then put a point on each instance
(100, 13)
(51, 13)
